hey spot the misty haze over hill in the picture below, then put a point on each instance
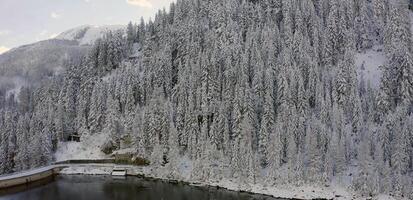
(29, 64)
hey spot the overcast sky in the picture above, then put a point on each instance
(27, 21)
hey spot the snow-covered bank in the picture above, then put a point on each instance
(87, 149)
(334, 191)
(284, 192)
(290, 192)
(304, 192)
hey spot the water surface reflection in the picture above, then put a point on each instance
(108, 188)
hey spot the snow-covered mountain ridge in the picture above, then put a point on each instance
(88, 34)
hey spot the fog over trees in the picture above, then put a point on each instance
(258, 91)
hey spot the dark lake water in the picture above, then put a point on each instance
(108, 188)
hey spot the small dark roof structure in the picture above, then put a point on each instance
(75, 137)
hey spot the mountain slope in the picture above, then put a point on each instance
(250, 95)
(35, 61)
(31, 63)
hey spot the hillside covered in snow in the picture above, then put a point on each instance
(34, 62)
(275, 96)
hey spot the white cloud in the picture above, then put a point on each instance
(55, 15)
(4, 32)
(141, 3)
(3, 49)
(53, 35)
(46, 34)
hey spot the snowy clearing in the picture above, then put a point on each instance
(368, 64)
(88, 148)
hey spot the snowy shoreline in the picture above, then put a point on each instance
(289, 192)
(73, 150)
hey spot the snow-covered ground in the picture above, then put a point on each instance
(88, 148)
(289, 192)
(125, 151)
(368, 64)
(87, 170)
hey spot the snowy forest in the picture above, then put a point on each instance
(258, 91)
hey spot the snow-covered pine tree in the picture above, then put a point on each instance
(22, 157)
(268, 121)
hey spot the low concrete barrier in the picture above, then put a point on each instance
(20, 178)
(100, 161)
(25, 178)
